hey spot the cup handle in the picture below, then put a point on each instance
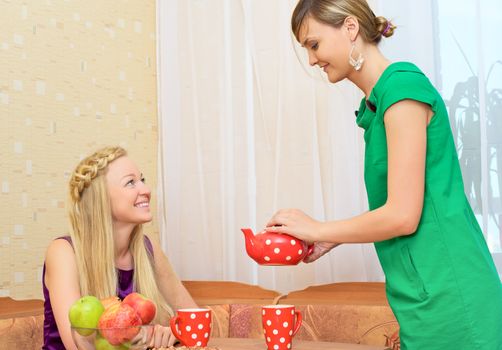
(298, 322)
(173, 323)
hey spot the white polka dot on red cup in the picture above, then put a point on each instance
(292, 312)
(266, 258)
(300, 252)
(269, 322)
(288, 258)
(200, 326)
(293, 242)
(263, 312)
(276, 346)
(207, 314)
(194, 336)
(289, 345)
(277, 312)
(290, 332)
(199, 343)
(282, 340)
(268, 242)
(277, 250)
(188, 328)
(275, 331)
(268, 339)
(206, 335)
(192, 316)
(285, 324)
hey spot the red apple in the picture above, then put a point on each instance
(145, 308)
(118, 324)
(107, 302)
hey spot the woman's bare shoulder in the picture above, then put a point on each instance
(59, 249)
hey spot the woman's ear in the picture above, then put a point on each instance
(351, 25)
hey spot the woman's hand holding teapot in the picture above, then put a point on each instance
(296, 223)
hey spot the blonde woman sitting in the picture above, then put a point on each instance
(106, 253)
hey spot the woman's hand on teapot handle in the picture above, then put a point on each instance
(296, 223)
(319, 249)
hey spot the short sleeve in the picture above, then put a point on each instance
(406, 85)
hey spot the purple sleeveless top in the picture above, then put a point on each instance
(52, 340)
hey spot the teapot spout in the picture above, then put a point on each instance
(250, 242)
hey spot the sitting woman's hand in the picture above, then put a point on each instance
(162, 337)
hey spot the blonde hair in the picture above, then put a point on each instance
(334, 12)
(91, 230)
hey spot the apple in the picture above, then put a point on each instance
(107, 302)
(101, 343)
(145, 308)
(85, 313)
(118, 323)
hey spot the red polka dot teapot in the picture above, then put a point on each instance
(269, 248)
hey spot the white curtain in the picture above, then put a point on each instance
(246, 128)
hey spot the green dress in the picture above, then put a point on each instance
(441, 281)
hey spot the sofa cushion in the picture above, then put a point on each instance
(220, 320)
(245, 321)
(21, 332)
(362, 324)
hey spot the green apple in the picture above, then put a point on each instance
(101, 343)
(85, 313)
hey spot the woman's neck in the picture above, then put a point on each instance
(374, 65)
(122, 239)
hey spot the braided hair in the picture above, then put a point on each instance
(89, 168)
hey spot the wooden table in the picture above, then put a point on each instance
(259, 344)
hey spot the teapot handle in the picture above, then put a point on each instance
(310, 250)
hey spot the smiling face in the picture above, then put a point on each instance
(128, 193)
(328, 47)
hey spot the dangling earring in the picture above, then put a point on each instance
(356, 63)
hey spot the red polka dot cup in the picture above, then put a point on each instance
(280, 324)
(192, 327)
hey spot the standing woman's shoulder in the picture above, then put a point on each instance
(404, 81)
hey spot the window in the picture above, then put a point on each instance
(469, 63)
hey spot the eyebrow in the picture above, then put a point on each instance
(306, 41)
(132, 175)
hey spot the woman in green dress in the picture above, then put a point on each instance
(441, 281)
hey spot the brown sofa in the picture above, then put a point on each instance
(338, 312)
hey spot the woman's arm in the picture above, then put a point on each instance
(169, 284)
(62, 281)
(406, 130)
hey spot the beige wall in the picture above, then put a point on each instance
(75, 75)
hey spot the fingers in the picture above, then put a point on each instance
(162, 337)
(312, 257)
(278, 229)
(282, 217)
(171, 338)
(317, 252)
